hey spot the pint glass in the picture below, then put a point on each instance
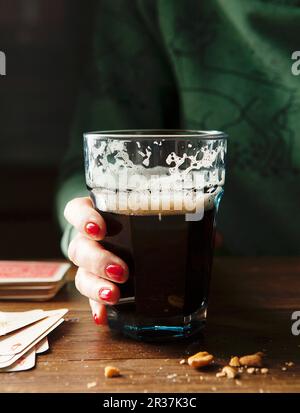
(159, 193)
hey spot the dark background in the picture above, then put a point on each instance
(45, 42)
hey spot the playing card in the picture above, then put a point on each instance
(25, 362)
(15, 343)
(31, 271)
(27, 287)
(42, 346)
(6, 361)
(14, 320)
(29, 296)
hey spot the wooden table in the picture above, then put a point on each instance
(250, 310)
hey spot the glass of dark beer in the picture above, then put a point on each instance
(159, 192)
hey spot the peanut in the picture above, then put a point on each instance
(111, 371)
(252, 360)
(230, 372)
(260, 353)
(201, 359)
(234, 362)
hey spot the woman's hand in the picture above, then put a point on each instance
(98, 269)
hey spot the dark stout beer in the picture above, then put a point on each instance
(169, 262)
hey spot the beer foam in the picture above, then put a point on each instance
(154, 203)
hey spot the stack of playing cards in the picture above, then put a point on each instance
(23, 335)
(31, 280)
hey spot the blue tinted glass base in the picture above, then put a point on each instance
(162, 329)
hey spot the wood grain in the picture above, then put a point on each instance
(250, 310)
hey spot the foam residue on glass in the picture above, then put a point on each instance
(147, 177)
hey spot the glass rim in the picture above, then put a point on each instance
(157, 133)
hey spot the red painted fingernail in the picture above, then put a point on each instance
(115, 271)
(96, 319)
(105, 294)
(92, 229)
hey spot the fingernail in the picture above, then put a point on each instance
(92, 229)
(115, 271)
(105, 294)
(96, 319)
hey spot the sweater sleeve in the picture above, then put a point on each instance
(128, 84)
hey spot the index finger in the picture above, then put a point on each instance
(80, 213)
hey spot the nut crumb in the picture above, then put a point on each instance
(290, 363)
(91, 384)
(250, 370)
(171, 376)
(230, 372)
(264, 371)
(183, 361)
(111, 371)
(238, 382)
(221, 374)
(252, 360)
(201, 359)
(234, 362)
(284, 369)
